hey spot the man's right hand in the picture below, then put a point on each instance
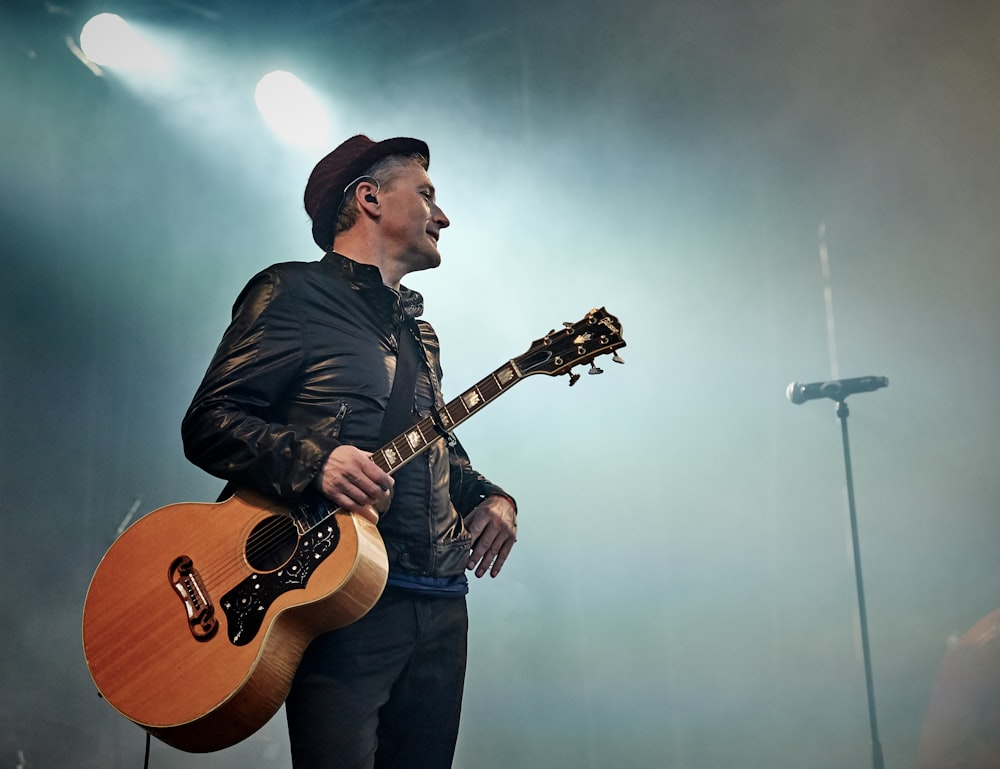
(352, 481)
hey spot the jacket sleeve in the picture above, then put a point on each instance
(469, 487)
(233, 428)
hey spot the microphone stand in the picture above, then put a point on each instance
(877, 759)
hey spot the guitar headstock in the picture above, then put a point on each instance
(556, 353)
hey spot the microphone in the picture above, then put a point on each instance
(838, 389)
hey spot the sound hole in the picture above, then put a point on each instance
(271, 543)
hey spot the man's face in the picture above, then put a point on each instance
(411, 219)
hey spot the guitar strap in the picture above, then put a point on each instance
(399, 411)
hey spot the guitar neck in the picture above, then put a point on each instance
(421, 435)
(554, 354)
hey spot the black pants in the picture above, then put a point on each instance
(384, 692)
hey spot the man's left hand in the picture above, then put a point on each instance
(493, 525)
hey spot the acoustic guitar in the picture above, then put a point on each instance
(198, 615)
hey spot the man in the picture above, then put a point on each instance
(293, 403)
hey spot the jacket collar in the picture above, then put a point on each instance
(367, 277)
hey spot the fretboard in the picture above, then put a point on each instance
(417, 438)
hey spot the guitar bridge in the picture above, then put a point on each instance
(186, 582)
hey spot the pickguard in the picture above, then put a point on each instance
(246, 604)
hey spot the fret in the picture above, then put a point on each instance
(390, 458)
(505, 376)
(415, 438)
(444, 415)
(472, 399)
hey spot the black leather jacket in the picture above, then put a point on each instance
(306, 365)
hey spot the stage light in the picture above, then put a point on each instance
(109, 41)
(291, 110)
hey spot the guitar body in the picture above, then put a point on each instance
(190, 634)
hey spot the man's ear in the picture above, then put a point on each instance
(366, 194)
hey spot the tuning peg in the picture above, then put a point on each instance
(573, 378)
(617, 358)
(567, 325)
(594, 369)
